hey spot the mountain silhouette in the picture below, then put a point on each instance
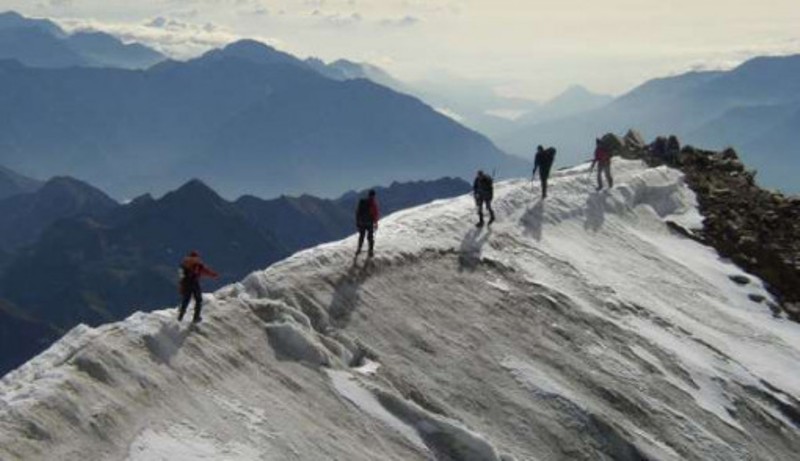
(246, 119)
(42, 43)
(105, 50)
(753, 108)
(95, 261)
(25, 216)
(12, 183)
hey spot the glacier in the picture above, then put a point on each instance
(578, 327)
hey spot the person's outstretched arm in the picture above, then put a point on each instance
(207, 271)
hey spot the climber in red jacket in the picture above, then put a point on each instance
(192, 269)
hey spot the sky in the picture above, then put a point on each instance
(533, 49)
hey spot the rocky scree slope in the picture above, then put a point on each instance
(757, 229)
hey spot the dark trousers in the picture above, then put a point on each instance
(480, 201)
(367, 231)
(190, 291)
(544, 175)
(604, 169)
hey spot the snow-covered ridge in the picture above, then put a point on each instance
(575, 328)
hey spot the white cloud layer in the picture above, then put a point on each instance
(175, 38)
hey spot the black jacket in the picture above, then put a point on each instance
(483, 187)
(544, 159)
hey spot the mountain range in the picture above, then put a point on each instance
(469, 102)
(70, 254)
(246, 119)
(754, 108)
(42, 43)
(295, 118)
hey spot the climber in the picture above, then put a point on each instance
(367, 215)
(192, 269)
(543, 162)
(602, 158)
(483, 190)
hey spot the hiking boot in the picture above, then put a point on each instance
(197, 319)
(480, 224)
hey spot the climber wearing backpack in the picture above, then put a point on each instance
(543, 162)
(192, 268)
(483, 190)
(602, 158)
(367, 215)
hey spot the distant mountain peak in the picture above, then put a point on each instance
(256, 51)
(194, 189)
(59, 181)
(107, 50)
(576, 93)
(577, 89)
(42, 43)
(10, 16)
(65, 183)
(194, 185)
(14, 20)
(248, 45)
(68, 186)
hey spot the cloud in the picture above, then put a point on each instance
(185, 14)
(173, 37)
(730, 59)
(449, 113)
(337, 20)
(406, 21)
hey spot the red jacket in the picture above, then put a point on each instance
(193, 269)
(374, 211)
(367, 213)
(601, 155)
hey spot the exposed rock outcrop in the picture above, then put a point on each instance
(757, 229)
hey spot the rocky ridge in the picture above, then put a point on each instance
(757, 229)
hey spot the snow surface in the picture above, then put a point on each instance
(578, 327)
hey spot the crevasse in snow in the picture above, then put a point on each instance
(574, 328)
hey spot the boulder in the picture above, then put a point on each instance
(739, 279)
(634, 141)
(756, 298)
(729, 154)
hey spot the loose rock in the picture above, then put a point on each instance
(757, 229)
(739, 279)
